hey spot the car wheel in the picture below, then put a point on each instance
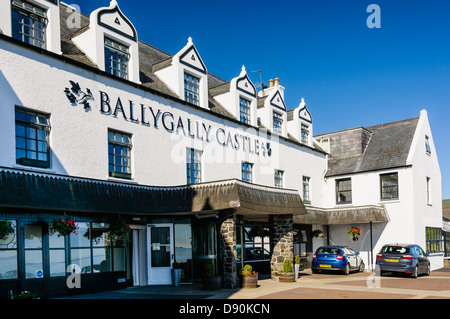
(347, 269)
(361, 266)
(415, 272)
(427, 273)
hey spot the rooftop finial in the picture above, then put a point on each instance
(189, 40)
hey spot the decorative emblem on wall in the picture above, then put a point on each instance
(77, 96)
(269, 150)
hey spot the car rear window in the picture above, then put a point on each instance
(395, 250)
(329, 251)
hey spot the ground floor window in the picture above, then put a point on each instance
(434, 240)
(31, 252)
(8, 253)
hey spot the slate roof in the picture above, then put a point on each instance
(150, 60)
(388, 147)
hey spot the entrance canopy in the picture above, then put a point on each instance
(345, 215)
(20, 189)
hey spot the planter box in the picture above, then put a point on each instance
(286, 277)
(250, 281)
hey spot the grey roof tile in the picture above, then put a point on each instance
(388, 147)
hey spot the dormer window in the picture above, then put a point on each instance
(305, 134)
(244, 110)
(116, 58)
(29, 23)
(191, 89)
(277, 123)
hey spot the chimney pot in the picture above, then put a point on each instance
(271, 83)
(277, 81)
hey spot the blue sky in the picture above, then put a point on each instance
(321, 50)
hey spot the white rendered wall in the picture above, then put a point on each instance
(79, 141)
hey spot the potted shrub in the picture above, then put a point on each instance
(63, 226)
(6, 229)
(287, 274)
(26, 295)
(210, 281)
(298, 265)
(249, 277)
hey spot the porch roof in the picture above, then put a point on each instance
(29, 190)
(344, 215)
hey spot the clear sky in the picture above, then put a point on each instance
(322, 50)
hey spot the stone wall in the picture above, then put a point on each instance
(282, 241)
(228, 245)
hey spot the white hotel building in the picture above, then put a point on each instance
(98, 125)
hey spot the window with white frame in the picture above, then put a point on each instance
(278, 176)
(29, 23)
(305, 134)
(427, 145)
(306, 190)
(191, 89)
(277, 123)
(344, 191)
(389, 186)
(428, 190)
(119, 154)
(32, 138)
(247, 169)
(193, 166)
(244, 106)
(116, 58)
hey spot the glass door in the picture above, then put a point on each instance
(160, 254)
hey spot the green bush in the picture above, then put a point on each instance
(287, 266)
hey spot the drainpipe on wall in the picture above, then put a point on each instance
(328, 234)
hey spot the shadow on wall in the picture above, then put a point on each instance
(338, 236)
(10, 100)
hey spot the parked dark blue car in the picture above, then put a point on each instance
(403, 258)
(339, 258)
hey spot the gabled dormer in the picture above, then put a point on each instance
(186, 75)
(272, 112)
(300, 124)
(35, 22)
(239, 97)
(111, 42)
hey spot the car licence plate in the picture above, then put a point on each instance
(392, 260)
(325, 266)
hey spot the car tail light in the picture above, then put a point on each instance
(314, 256)
(379, 255)
(339, 257)
(407, 257)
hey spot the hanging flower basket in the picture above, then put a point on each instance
(63, 227)
(6, 229)
(119, 230)
(317, 234)
(354, 233)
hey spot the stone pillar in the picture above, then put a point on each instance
(282, 242)
(228, 246)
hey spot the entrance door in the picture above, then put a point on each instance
(160, 254)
